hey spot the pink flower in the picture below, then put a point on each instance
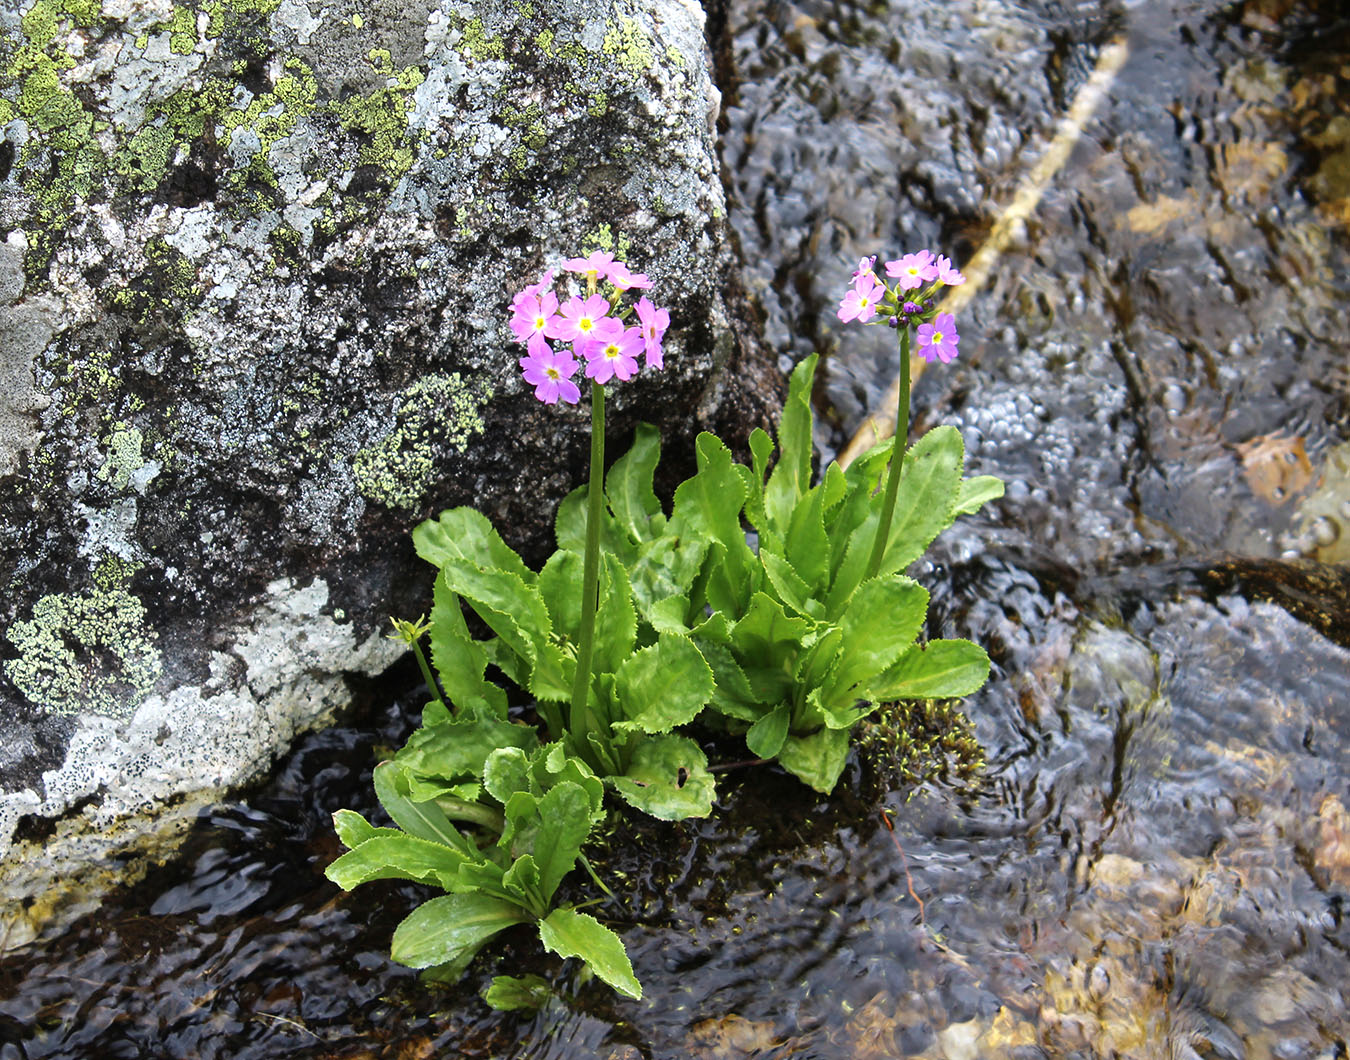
(592, 267)
(550, 374)
(576, 320)
(913, 270)
(532, 314)
(865, 267)
(615, 355)
(622, 279)
(938, 339)
(653, 323)
(947, 274)
(861, 302)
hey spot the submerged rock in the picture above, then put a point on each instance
(255, 261)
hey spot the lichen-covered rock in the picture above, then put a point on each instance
(255, 263)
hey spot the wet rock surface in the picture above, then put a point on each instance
(1155, 860)
(255, 266)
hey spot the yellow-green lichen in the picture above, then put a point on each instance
(124, 457)
(544, 41)
(629, 45)
(440, 411)
(476, 44)
(85, 654)
(598, 105)
(381, 119)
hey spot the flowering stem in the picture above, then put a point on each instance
(578, 721)
(432, 686)
(897, 459)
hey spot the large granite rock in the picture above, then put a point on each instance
(255, 263)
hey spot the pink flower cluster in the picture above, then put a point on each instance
(593, 325)
(920, 272)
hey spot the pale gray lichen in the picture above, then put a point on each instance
(85, 654)
(440, 410)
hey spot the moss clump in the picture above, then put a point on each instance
(86, 654)
(909, 743)
(440, 411)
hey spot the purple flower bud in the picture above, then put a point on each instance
(910, 309)
(894, 322)
(927, 303)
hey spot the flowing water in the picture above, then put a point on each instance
(1155, 861)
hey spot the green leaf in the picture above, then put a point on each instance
(628, 486)
(560, 586)
(425, 820)
(761, 450)
(708, 505)
(765, 737)
(941, 669)
(767, 642)
(552, 765)
(790, 589)
(396, 857)
(510, 994)
(733, 696)
(664, 568)
(668, 615)
(459, 749)
(808, 549)
(353, 829)
(817, 759)
(881, 621)
(663, 685)
(466, 534)
(925, 503)
(668, 778)
(459, 660)
(512, 607)
(791, 476)
(569, 525)
(615, 619)
(571, 934)
(975, 493)
(565, 822)
(521, 882)
(505, 772)
(451, 929)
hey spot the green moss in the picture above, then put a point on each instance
(910, 743)
(85, 654)
(124, 457)
(629, 45)
(438, 412)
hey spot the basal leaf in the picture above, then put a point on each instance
(571, 934)
(791, 476)
(941, 669)
(467, 534)
(880, 622)
(817, 759)
(425, 820)
(787, 586)
(513, 994)
(512, 608)
(459, 660)
(615, 619)
(708, 505)
(505, 772)
(761, 451)
(560, 586)
(353, 829)
(565, 822)
(975, 493)
(926, 499)
(628, 485)
(396, 857)
(444, 930)
(569, 524)
(458, 749)
(663, 685)
(808, 549)
(668, 778)
(521, 882)
(733, 695)
(765, 737)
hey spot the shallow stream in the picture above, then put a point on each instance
(1155, 861)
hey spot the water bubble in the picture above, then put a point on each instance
(1099, 982)
(1345, 507)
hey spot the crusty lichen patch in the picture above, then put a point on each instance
(440, 410)
(86, 653)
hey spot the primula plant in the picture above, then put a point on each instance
(763, 604)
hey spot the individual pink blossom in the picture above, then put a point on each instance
(652, 326)
(913, 270)
(531, 314)
(948, 274)
(621, 278)
(550, 373)
(865, 268)
(613, 356)
(576, 320)
(861, 302)
(938, 340)
(595, 266)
